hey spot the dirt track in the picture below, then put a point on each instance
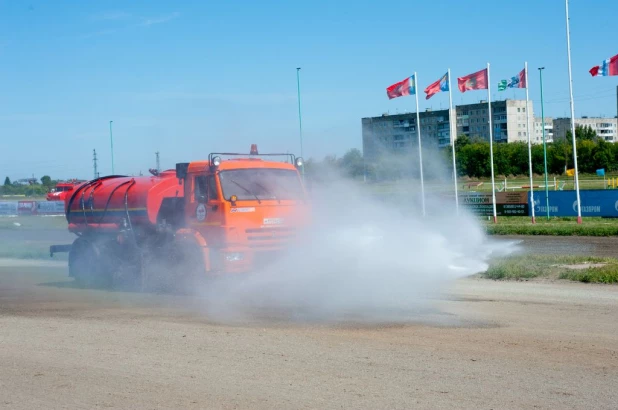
(488, 345)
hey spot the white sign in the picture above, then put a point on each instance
(273, 221)
(247, 209)
(201, 212)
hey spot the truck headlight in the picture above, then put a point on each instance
(234, 256)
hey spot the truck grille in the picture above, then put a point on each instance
(263, 237)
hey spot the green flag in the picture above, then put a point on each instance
(502, 85)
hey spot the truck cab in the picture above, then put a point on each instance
(60, 192)
(242, 211)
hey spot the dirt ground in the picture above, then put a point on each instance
(484, 345)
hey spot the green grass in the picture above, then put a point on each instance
(33, 222)
(603, 274)
(555, 226)
(513, 183)
(525, 267)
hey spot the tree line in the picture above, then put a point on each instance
(593, 153)
(473, 159)
(30, 187)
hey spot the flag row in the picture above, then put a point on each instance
(479, 81)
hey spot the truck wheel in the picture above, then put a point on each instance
(187, 268)
(85, 265)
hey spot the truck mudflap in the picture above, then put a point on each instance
(58, 249)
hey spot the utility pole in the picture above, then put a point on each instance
(158, 163)
(300, 122)
(94, 161)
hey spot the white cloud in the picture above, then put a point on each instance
(150, 21)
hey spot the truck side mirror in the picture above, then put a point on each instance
(181, 170)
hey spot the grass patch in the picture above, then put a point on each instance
(524, 267)
(602, 274)
(556, 226)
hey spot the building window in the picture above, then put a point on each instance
(518, 109)
(519, 134)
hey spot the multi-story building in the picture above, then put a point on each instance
(606, 128)
(509, 120)
(388, 133)
(398, 132)
(537, 134)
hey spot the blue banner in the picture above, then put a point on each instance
(564, 203)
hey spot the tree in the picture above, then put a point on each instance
(585, 133)
(46, 181)
(7, 181)
(352, 163)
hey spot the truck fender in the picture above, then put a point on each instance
(190, 237)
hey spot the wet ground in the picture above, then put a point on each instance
(566, 245)
(481, 345)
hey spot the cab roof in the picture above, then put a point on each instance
(240, 163)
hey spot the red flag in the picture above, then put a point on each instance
(474, 81)
(609, 67)
(402, 88)
(436, 87)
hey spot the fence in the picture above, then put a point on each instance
(14, 208)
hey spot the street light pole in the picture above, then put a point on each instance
(300, 121)
(111, 140)
(544, 143)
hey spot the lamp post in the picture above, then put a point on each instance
(544, 143)
(300, 121)
(111, 141)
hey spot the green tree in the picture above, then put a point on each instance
(7, 181)
(46, 181)
(352, 163)
(584, 133)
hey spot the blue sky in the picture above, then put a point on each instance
(188, 78)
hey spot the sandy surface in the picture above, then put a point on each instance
(485, 345)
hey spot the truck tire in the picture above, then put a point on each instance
(86, 265)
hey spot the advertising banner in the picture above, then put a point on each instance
(26, 207)
(50, 207)
(8, 208)
(602, 202)
(507, 203)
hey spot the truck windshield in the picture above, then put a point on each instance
(261, 184)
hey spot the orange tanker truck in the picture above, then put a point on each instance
(233, 213)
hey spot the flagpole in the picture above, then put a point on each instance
(300, 121)
(453, 132)
(418, 131)
(529, 143)
(579, 207)
(491, 146)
